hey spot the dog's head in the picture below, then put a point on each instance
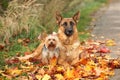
(67, 25)
(51, 42)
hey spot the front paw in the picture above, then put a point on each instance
(44, 60)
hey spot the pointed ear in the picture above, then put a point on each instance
(42, 36)
(58, 17)
(76, 17)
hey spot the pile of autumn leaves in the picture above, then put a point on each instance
(98, 65)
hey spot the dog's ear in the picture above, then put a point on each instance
(76, 17)
(42, 36)
(58, 17)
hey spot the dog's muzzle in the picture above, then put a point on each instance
(69, 32)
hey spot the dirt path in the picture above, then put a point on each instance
(108, 27)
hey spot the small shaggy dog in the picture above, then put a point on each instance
(51, 48)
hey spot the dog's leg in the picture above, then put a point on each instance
(44, 55)
(76, 57)
(34, 54)
(62, 59)
(57, 52)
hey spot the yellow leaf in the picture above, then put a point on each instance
(69, 73)
(39, 77)
(27, 68)
(99, 78)
(115, 62)
(59, 77)
(13, 72)
(46, 77)
(16, 72)
(20, 40)
(60, 69)
(87, 68)
(1, 71)
(111, 73)
(110, 43)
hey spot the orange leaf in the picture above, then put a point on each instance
(102, 75)
(53, 61)
(83, 61)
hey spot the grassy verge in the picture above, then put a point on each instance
(87, 7)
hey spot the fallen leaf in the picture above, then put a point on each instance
(60, 69)
(13, 72)
(12, 61)
(53, 61)
(83, 61)
(59, 77)
(104, 50)
(46, 77)
(69, 74)
(41, 71)
(39, 77)
(2, 46)
(19, 40)
(27, 68)
(26, 40)
(110, 42)
(22, 78)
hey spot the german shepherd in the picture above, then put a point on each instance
(68, 35)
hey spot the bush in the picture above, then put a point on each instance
(19, 16)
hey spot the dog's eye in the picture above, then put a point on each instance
(71, 23)
(65, 24)
(53, 39)
(49, 39)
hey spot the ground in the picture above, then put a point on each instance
(108, 27)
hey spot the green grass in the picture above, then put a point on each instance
(86, 10)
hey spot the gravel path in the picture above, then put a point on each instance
(108, 27)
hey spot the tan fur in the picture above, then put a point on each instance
(71, 44)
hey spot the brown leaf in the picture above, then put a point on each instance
(2, 46)
(12, 61)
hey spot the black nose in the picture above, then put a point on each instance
(51, 42)
(69, 32)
